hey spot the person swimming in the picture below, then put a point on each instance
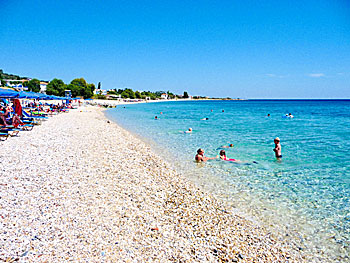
(188, 131)
(204, 119)
(227, 146)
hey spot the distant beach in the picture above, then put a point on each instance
(80, 188)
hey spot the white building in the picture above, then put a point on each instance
(11, 83)
(100, 91)
(164, 96)
(43, 86)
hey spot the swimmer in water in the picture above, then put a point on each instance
(201, 158)
(226, 146)
(188, 131)
(156, 118)
(204, 119)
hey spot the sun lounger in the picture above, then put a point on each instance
(4, 136)
(26, 114)
(11, 130)
(26, 127)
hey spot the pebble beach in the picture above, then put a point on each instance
(79, 188)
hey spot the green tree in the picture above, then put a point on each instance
(138, 95)
(74, 89)
(112, 92)
(91, 87)
(170, 95)
(120, 91)
(33, 85)
(128, 93)
(186, 95)
(56, 87)
(149, 94)
(80, 87)
(79, 82)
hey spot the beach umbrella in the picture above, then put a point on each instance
(25, 95)
(30, 94)
(7, 93)
(42, 96)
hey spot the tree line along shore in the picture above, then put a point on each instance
(79, 87)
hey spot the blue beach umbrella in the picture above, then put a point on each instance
(32, 95)
(7, 93)
(25, 95)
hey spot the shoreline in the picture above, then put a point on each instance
(83, 188)
(132, 101)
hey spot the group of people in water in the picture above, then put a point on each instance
(200, 157)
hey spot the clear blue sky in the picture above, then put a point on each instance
(246, 49)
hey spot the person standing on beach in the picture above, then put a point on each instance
(201, 158)
(277, 149)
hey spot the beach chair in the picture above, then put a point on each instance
(4, 136)
(25, 127)
(27, 115)
(10, 130)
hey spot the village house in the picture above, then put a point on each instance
(164, 96)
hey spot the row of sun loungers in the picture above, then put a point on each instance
(30, 118)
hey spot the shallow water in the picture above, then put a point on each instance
(304, 198)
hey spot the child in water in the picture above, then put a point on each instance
(223, 156)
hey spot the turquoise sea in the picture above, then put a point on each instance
(304, 198)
